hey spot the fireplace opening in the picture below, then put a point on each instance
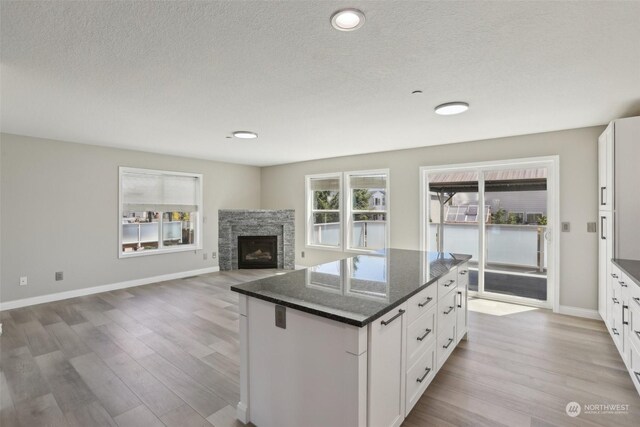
(257, 251)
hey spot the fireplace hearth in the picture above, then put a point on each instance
(257, 251)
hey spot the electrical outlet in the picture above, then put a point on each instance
(23, 281)
(302, 254)
(214, 255)
(204, 256)
(59, 276)
(591, 227)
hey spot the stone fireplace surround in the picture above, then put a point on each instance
(255, 222)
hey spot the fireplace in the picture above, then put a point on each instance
(257, 251)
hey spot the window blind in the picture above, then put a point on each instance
(368, 181)
(324, 184)
(143, 192)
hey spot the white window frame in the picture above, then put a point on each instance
(348, 222)
(161, 250)
(310, 211)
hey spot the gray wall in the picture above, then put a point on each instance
(59, 211)
(283, 187)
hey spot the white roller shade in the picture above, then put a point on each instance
(324, 184)
(368, 181)
(159, 192)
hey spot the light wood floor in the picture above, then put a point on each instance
(167, 354)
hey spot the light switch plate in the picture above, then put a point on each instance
(59, 276)
(591, 227)
(566, 227)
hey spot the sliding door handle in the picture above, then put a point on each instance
(386, 322)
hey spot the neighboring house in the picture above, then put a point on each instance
(377, 200)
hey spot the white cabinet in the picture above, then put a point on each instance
(606, 168)
(386, 369)
(605, 250)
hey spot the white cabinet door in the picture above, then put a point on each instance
(605, 169)
(387, 369)
(461, 311)
(605, 253)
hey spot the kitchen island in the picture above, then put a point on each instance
(353, 342)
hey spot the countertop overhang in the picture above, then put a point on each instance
(358, 289)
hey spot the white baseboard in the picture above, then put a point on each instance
(579, 312)
(8, 305)
(242, 413)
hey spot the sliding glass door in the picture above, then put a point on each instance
(500, 214)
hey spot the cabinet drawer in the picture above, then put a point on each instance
(447, 307)
(422, 302)
(447, 283)
(419, 375)
(463, 274)
(445, 342)
(421, 335)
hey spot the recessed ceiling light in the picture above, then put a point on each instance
(451, 108)
(347, 19)
(245, 134)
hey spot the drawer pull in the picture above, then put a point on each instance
(425, 302)
(602, 201)
(427, 370)
(451, 282)
(624, 285)
(615, 331)
(460, 303)
(637, 300)
(450, 309)
(386, 322)
(427, 332)
(614, 275)
(637, 374)
(615, 300)
(462, 273)
(448, 343)
(637, 333)
(624, 307)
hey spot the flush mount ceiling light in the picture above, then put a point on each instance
(245, 134)
(347, 19)
(451, 108)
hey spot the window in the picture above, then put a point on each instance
(367, 212)
(324, 222)
(160, 212)
(364, 201)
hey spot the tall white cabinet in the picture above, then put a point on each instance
(619, 231)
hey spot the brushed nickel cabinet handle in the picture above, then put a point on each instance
(615, 331)
(449, 311)
(615, 300)
(614, 275)
(428, 331)
(624, 285)
(637, 374)
(448, 343)
(624, 307)
(637, 300)
(602, 202)
(460, 303)
(386, 322)
(427, 370)
(463, 272)
(425, 302)
(451, 282)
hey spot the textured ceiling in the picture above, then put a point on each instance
(178, 77)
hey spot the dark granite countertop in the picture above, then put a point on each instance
(631, 268)
(355, 290)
